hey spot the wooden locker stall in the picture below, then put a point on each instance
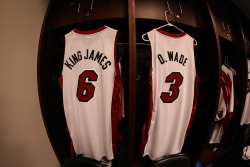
(207, 63)
(62, 17)
(232, 52)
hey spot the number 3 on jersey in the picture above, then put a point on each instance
(85, 89)
(175, 79)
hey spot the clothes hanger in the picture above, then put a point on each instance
(88, 13)
(91, 9)
(168, 24)
(226, 63)
(166, 18)
(230, 68)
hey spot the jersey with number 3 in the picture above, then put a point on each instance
(173, 78)
(91, 91)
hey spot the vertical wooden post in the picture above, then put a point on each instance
(132, 81)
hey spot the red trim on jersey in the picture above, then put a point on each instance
(226, 86)
(117, 71)
(117, 102)
(61, 81)
(227, 90)
(230, 115)
(147, 123)
(115, 112)
(170, 34)
(90, 31)
(195, 98)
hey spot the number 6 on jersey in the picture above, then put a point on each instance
(85, 89)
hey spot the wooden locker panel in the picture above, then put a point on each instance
(48, 87)
(234, 57)
(207, 65)
(154, 9)
(59, 20)
(69, 12)
(189, 12)
(227, 23)
(181, 11)
(233, 54)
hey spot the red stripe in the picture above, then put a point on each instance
(116, 102)
(170, 34)
(147, 123)
(89, 31)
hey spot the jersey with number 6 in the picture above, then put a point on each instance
(173, 78)
(91, 91)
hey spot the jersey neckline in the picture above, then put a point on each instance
(89, 31)
(170, 34)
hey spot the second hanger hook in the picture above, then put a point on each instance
(91, 8)
(168, 9)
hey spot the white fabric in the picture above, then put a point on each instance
(245, 119)
(89, 120)
(246, 153)
(223, 109)
(171, 114)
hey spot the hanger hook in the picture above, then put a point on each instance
(168, 10)
(78, 8)
(139, 76)
(166, 15)
(91, 8)
(180, 14)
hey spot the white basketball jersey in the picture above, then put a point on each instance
(173, 77)
(225, 107)
(245, 119)
(91, 86)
